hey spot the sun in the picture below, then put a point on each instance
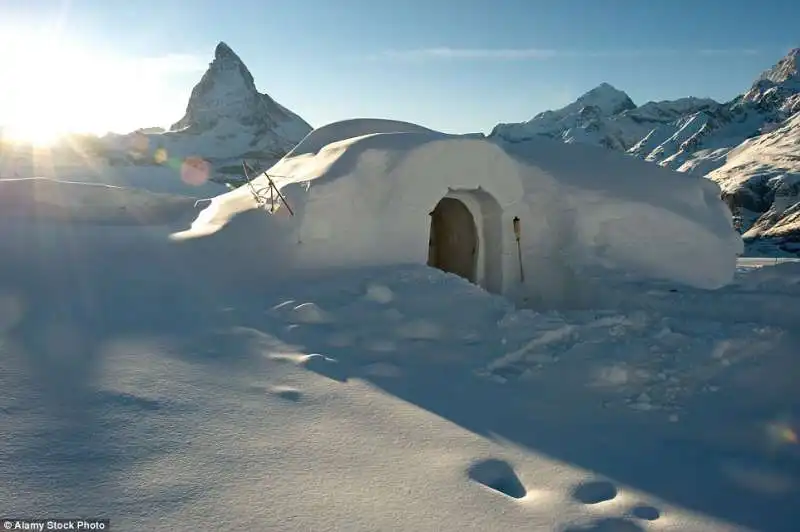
(34, 78)
(58, 88)
(46, 80)
(36, 135)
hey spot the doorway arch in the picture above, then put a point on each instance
(453, 239)
(486, 216)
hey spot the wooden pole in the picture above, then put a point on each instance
(517, 235)
(271, 184)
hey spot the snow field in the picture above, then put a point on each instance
(201, 384)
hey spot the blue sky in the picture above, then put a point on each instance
(454, 65)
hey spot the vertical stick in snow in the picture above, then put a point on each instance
(517, 234)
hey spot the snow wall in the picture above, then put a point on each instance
(362, 192)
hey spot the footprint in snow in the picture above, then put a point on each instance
(499, 476)
(288, 393)
(645, 512)
(594, 492)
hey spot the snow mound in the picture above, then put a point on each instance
(349, 129)
(366, 200)
(379, 294)
(310, 313)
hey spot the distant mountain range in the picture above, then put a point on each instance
(750, 145)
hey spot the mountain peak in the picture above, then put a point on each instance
(607, 98)
(223, 51)
(606, 87)
(226, 106)
(776, 88)
(227, 89)
(785, 69)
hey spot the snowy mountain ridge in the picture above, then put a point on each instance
(226, 119)
(604, 116)
(781, 83)
(700, 136)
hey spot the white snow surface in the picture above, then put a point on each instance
(365, 201)
(184, 386)
(73, 163)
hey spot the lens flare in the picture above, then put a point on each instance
(195, 171)
(782, 433)
(788, 435)
(160, 156)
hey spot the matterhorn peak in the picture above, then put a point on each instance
(226, 90)
(223, 51)
(227, 117)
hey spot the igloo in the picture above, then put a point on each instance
(522, 220)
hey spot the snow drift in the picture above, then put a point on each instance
(362, 192)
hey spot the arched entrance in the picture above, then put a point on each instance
(453, 243)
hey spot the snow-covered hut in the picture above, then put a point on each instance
(523, 220)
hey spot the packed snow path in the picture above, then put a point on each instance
(165, 393)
